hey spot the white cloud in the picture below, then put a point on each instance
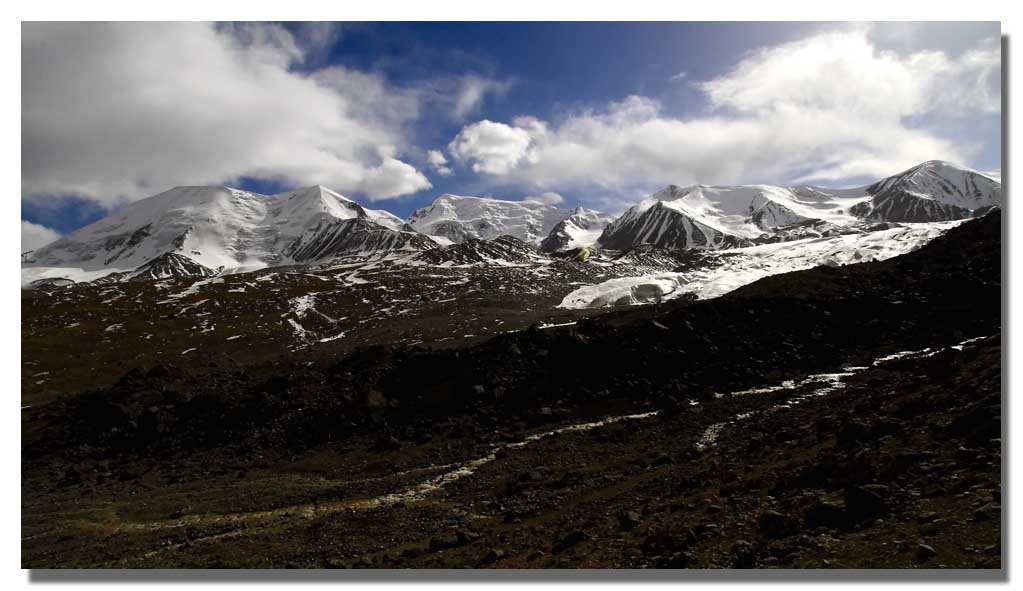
(472, 90)
(493, 148)
(119, 111)
(825, 109)
(391, 179)
(550, 198)
(843, 70)
(677, 77)
(439, 162)
(33, 236)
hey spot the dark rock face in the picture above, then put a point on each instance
(171, 264)
(665, 227)
(125, 243)
(354, 236)
(452, 230)
(930, 192)
(560, 237)
(503, 249)
(938, 179)
(897, 206)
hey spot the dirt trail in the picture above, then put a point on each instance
(256, 522)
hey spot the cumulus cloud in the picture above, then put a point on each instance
(492, 148)
(830, 107)
(843, 70)
(439, 162)
(549, 197)
(34, 235)
(391, 179)
(119, 111)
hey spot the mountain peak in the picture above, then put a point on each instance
(188, 229)
(942, 183)
(312, 192)
(459, 218)
(670, 190)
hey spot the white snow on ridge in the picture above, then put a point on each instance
(441, 240)
(76, 274)
(727, 215)
(580, 229)
(945, 183)
(747, 265)
(385, 218)
(732, 210)
(220, 228)
(225, 230)
(579, 238)
(457, 218)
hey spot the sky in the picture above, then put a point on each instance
(395, 114)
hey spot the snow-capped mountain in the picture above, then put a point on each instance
(706, 217)
(456, 218)
(581, 228)
(171, 264)
(201, 230)
(931, 192)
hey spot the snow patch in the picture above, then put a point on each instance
(741, 266)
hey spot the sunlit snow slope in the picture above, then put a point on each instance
(458, 218)
(706, 217)
(225, 230)
(740, 266)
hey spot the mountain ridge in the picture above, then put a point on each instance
(227, 230)
(715, 217)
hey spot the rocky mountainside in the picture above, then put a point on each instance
(707, 217)
(503, 250)
(666, 224)
(456, 218)
(932, 191)
(835, 417)
(579, 230)
(199, 231)
(225, 230)
(171, 264)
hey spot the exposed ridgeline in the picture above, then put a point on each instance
(224, 230)
(199, 231)
(706, 217)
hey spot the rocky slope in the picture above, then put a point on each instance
(456, 218)
(203, 230)
(828, 418)
(932, 191)
(503, 250)
(725, 217)
(579, 230)
(225, 230)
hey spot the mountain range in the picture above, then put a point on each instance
(205, 231)
(708, 217)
